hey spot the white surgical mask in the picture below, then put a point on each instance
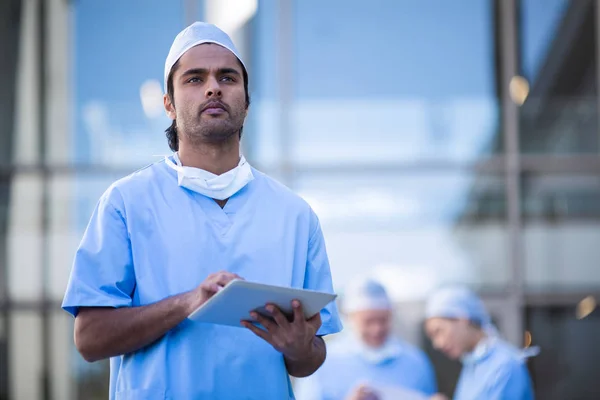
(390, 350)
(219, 187)
(485, 346)
(480, 351)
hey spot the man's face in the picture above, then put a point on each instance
(450, 336)
(372, 326)
(210, 100)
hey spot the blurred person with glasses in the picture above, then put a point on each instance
(460, 327)
(368, 362)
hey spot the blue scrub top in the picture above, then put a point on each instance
(346, 367)
(498, 374)
(149, 238)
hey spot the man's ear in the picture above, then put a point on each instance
(169, 107)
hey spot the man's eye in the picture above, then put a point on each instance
(227, 79)
(193, 80)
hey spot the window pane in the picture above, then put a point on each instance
(365, 89)
(262, 134)
(4, 199)
(416, 230)
(92, 379)
(120, 49)
(60, 362)
(3, 359)
(566, 367)
(24, 240)
(25, 362)
(558, 59)
(72, 201)
(63, 236)
(561, 230)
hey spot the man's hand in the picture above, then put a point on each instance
(294, 339)
(103, 332)
(362, 392)
(211, 285)
(302, 350)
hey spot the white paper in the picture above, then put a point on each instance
(398, 393)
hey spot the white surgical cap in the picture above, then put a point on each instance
(459, 303)
(195, 34)
(366, 294)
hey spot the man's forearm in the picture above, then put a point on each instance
(308, 365)
(106, 332)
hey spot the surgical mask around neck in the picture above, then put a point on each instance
(481, 350)
(376, 355)
(219, 187)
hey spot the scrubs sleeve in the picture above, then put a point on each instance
(102, 273)
(318, 277)
(512, 382)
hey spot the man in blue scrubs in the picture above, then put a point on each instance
(164, 239)
(459, 326)
(369, 360)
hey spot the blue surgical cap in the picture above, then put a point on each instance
(458, 302)
(195, 34)
(366, 294)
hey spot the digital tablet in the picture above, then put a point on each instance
(238, 298)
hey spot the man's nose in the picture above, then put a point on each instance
(213, 89)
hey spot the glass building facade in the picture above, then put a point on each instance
(437, 141)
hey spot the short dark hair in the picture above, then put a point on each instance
(171, 131)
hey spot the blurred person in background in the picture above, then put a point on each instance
(166, 238)
(459, 325)
(369, 360)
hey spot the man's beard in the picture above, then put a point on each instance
(213, 130)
